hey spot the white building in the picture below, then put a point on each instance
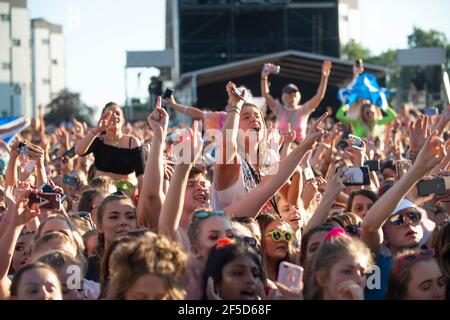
(349, 21)
(32, 69)
(48, 61)
(15, 58)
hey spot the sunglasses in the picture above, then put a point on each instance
(207, 214)
(399, 219)
(410, 258)
(352, 229)
(252, 242)
(278, 235)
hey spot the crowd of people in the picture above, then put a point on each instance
(347, 206)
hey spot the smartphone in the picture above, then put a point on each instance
(237, 92)
(360, 176)
(22, 148)
(345, 134)
(69, 153)
(359, 63)
(274, 69)
(431, 111)
(290, 275)
(374, 165)
(401, 166)
(47, 189)
(308, 173)
(438, 186)
(71, 181)
(356, 141)
(167, 93)
(45, 201)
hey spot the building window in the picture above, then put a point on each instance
(46, 41)
(5, 17)
(6, 66)
(46, 81)
(55, 62)
(16, 42)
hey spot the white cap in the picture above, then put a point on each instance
(427, 224)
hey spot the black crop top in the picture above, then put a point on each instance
(117, 160)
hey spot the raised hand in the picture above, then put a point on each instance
(211, 291)
(105, 122)
(233, 98)
(418, 132)
(316, 135)
(326, 68)
(289, 135)
(432, 153)
(158, 121)
(349, 290)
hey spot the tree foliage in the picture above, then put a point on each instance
(67, 106)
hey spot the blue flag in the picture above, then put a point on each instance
(10, 126)
(367, 88)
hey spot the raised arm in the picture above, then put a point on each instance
(192, 112)
(271, 102)
(83, 145)
(226, 170)
(152, 195)
(390, 115)
(20, 216)
(254, 201)
(431, 154)
(314, 102)
(334, 187)
(341, 115)
(172, 209)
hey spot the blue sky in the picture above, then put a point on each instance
(98, 32)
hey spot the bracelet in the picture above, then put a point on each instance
(235, 109)
(264, 79)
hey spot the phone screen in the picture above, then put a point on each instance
(290, 275)
(401, 166)
(309, 173)
(45, 201)
(167, 93)
(359, 176)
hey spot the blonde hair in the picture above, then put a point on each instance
(328, 253)
(134, 259)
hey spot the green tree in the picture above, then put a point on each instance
(423, 38)
(353, 50)
(67, 106)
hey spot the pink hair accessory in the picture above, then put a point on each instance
(336, 233)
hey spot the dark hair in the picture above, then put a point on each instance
(58, 259)
(100, 212)
(109, 104)
(221, 255)
(196, 171)
(307, 236)
(385, 186)
(87, 199)
(18, 275)
(363, 192)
